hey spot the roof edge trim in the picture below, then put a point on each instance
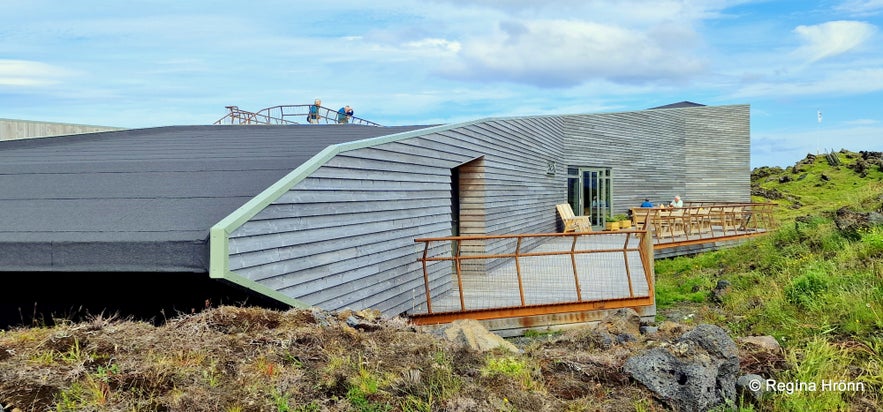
(219, 234)
(261, 289)
(374, 141)
(245, 212)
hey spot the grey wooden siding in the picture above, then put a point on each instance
(718, 154)
(344, 236)
(700, 153)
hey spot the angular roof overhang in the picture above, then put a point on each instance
(143, 199)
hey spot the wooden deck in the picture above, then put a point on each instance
(547, 287)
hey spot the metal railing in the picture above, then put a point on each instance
(698, 221)
(285, 114)
(537, 273)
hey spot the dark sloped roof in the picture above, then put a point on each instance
(678, 105)
(142, 199)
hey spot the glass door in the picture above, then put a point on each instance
(589, 192)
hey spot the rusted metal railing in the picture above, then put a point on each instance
(529, 274)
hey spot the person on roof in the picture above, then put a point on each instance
(313, 116)
(345, 114)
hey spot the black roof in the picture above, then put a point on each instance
(678, 105)
(143, 199)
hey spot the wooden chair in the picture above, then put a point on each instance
(670, 223)
(640, 216)
(699, 221)
(573, 223)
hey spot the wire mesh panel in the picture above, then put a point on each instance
(548, 279)
(537, 269)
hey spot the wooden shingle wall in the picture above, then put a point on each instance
(344, 236)
(718, 154)
(640, 148)
(699, 153)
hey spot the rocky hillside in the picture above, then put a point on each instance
(248, 359)
(816, 185)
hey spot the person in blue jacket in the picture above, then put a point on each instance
(646, 203)
(313, 116)
(345, 114)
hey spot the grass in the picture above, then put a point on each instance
(818, 289)
(511, 367)
(818, 187)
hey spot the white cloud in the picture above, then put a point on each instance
(183, 63)
(862, 122)
(29, 73)
(832, 38)
(563, 53)
(845, 82)
(861, 7)
(440, 45)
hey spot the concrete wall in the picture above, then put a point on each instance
(23, 129)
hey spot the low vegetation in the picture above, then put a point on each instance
(815, 284)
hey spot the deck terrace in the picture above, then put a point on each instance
(559, 279)
(557, 274)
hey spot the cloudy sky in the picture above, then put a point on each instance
(144, 63)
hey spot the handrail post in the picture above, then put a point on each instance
(646, 250)
(625, 258)
(518, 270)
(579, 293)
(426, 277)
(459, 276)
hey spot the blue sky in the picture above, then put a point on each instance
(156, 63)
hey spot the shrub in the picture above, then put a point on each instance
(806, 289)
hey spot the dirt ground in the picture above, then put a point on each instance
(250, 359)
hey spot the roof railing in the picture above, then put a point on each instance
(287, 115)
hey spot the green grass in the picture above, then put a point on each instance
(511, 367)
(816, 288)
(807, 186)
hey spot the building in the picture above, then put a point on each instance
(326, 215)
(23, 129)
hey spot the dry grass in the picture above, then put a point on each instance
(249, 359)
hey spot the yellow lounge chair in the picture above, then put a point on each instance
(573, 223)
